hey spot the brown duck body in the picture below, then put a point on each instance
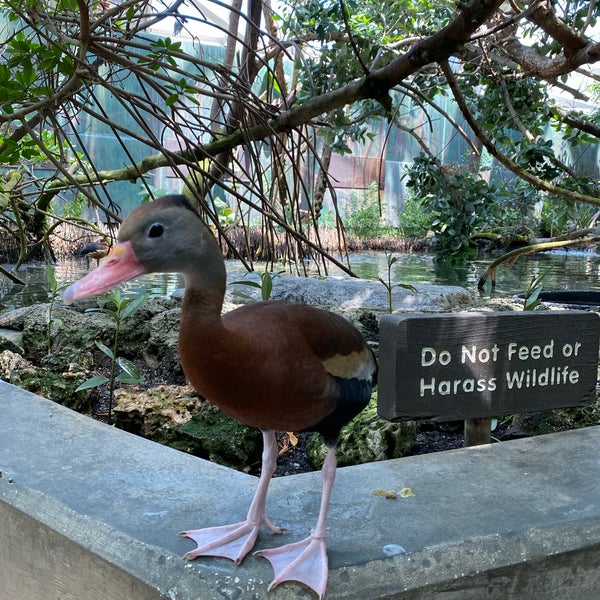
(275, 365)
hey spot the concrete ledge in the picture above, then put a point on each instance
(87, 511)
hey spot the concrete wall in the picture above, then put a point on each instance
(89, 512)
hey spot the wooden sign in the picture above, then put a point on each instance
(470, 365)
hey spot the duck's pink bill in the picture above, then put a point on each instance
(119, 266)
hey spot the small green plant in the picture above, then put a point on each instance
(225, 212)
(533, 291)
(265, 286)
(364, 217)
(118, 308)
(71, 209)
(413, 221)
(387, 283)
(54, 289)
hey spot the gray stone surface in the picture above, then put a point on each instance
(86, 509)
(348, 294)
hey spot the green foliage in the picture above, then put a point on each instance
(513, 216)
(532, 293)
(180, 91)
(538, 158)
(363, 216)
(118, 308)
(161, 53)
(560, 216)
(526, 95)
(413, 220)
(374, 29)
(265, 285)
(457, 202)
(225, 212)
(163, 96)
(148, 192)
(71, 208)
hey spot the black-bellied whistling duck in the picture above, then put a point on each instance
(95, 250)
(274, 365)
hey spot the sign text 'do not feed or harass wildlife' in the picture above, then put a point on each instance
(472, 365)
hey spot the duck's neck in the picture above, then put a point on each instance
(204, 291)
(205, 277)
(204, 342)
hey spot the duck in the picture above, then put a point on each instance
(96, 250)
(273, 365)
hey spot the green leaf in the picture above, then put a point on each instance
(92, 382)
(407, 286)
(253, 284)
(130, 369)
(67, 5)
(170, 100)
(132, 305)
(127, 380)
(51, 277)
(106, 350)
(267, 285)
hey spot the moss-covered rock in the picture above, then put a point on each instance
(58, 387)
(69, 329)
(160, 349)
(367, 438)
(151, 332)
(8, 344)
(560, 419)
(74, 361)
(224, 440)
(176, 416)
(586, 416)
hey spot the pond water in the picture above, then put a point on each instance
(565, 270)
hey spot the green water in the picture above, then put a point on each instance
(571, 270)
(563, 271)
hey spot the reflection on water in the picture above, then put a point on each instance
(14, 296)
(572, 270)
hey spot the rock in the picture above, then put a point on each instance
(542, 422)
(172, 413)
(176, 416)
(222, 439)
(151, 332)
(68, 329)
(146, 412)
(58, 387)
(12, 361)
(345, 294)
(14, 319)
(70, 360)
(11, 340)
(160, 349)
(367, 438)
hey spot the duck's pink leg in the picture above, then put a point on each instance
(235, 541)
(306, 561)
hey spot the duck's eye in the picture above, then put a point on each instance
(156, 230)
